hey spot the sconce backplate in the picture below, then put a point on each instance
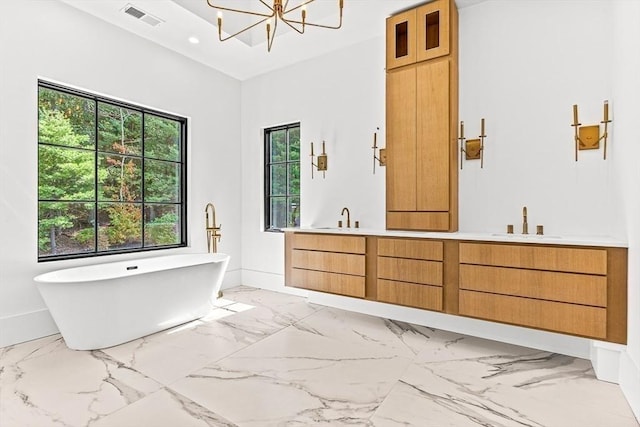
(472, 149)
(383, 157)
(589, 137)
(322, 162)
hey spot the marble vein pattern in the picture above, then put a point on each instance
(261, 358)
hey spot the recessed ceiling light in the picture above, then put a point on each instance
(194, 40)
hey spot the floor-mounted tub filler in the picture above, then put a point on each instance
(103, 305)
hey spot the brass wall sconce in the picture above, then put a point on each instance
(472, 149)
(382, 156)
(588, 137)
(321, 166)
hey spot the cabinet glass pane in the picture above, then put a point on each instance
(432, 33)
(402, 39)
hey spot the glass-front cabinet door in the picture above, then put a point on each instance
(401, 39)
(433, 30)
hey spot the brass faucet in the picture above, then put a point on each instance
(348, 216)
(213, 230)
(525, 224)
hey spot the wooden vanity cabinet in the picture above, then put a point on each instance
(410, 272)
(419, 34)
(422, 115)
(575, 290)
(326, 263)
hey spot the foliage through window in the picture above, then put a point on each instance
(111, 176)
(282, 177)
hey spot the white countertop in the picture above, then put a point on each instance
(485, 237)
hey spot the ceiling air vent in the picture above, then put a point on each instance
(141, 15)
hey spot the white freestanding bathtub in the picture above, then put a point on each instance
(103, 305)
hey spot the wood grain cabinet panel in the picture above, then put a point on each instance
(410, 270)
(401, 39)
(433, 30)
(549, 315)
(422, 118)
(432, 148)
(401, 129)
(329, 262)
(330, 243)
(410, 294)
(411, 248)
(326, 263)
(328, 282)
(572, 260)
(548, 285)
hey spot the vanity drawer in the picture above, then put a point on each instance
(409, 248)
(553, 286)
(329, 243)
(410, 294)
(572, 260)
(341, 284)
(549, 315)
(329, 262)
(410, 270)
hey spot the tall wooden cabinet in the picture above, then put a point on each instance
(422, 115)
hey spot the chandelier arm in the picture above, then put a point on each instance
(297, 7)
(268, 7)
(286, 21)
(247, 12)
(242, 31)
(317, 25)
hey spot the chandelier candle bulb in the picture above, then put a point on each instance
(606, 111)
(575, 114)
(375, 140)
(461, 129)
(323, 151)
(482, 127)
(312, 148)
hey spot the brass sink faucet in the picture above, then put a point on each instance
(525, 224)
(348, 216)
(213, 230)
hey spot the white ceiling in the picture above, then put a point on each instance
(246, 57)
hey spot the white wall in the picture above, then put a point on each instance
(626, 87)
(50, 40)
(522, 67)
(339, 98)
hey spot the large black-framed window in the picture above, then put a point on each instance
(111, 176)
(282, 177)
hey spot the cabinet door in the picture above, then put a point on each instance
(401, 39)
(432, 147)
(401, 140)
(433, 25)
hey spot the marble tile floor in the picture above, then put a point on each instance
(267, 359)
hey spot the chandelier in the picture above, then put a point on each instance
(280, 11)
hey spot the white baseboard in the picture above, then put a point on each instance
(630, 382)
(26, 327)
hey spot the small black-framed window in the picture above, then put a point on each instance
(111, 176)
(282, 177)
